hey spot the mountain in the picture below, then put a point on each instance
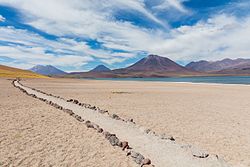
(47, 70)
(100, 68)
(154, 63)
(214, 66)
(148, 67)
(10, 72)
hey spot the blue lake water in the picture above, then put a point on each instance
(218, 79)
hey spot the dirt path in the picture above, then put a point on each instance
(161, 152)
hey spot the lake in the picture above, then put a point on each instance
(211, 79)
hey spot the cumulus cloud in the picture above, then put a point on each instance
(2, 19)
(27, 49)
(220, 36)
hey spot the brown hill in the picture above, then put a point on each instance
(10, 72)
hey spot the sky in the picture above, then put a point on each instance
(78, 35)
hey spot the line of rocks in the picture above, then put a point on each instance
(102, 111)
(194, 151)
(112, 138)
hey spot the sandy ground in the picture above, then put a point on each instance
(213, 117)
(162, 152)
(35, 134)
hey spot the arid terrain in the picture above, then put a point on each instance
(212, 117)
(33, 133)
(10, 72)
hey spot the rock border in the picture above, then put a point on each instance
(112, 138)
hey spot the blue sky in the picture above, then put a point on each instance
(77, 35)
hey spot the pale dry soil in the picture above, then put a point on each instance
(33, 133)
(212, 117)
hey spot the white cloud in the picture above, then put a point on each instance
(2, 19)
(28, 49)
(168, 4)
(221, 36)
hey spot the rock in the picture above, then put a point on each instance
(151, 133)
(166, 137)
(119, 144)
(124, 145)
(92, 107)
(130, 120)
(96, 126)
(138, 158)
(146, 162)
(89, 124)
(79, 118)
(103, 111)
(106, 134)
(199, 154)
(195, 151)
(100, 130)
(70, 112)
(75, 102)
(114, 116)
(134, 154)
(147, 131)
(113, 140)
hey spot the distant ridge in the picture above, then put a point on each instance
(10, 72)
(215, 66)
(47, 70)
(100, 68)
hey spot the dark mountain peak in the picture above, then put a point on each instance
(100, 68)
(47, 70)
(227, 59)
(155, 63)
(152, 56)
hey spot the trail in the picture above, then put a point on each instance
(163, 153)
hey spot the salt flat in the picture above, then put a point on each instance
(212, 117)
(33, 133)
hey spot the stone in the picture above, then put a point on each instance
(96, 126)
(138, 158)
(107, 135)
(70, 112)
(130, 120)
(70, 100)
(146, 162)
(124, 145)
(147, 131)
(114, 116)
(100, 130)
(103, 111)
(198, 153)
(113, 140)
(89, 124)
(167, 137)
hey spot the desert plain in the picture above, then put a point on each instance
(214, 117)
